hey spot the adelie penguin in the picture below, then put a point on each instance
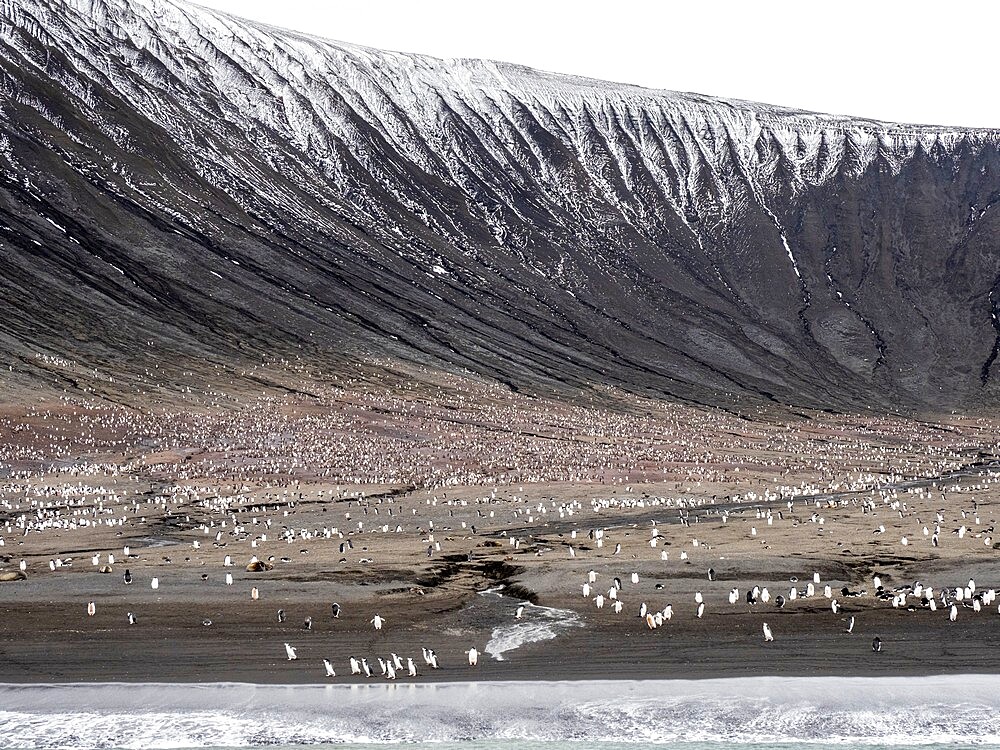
(127, 578)
(877, 644)
(281, 615)
(335, 608)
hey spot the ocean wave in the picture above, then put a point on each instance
(767, 710)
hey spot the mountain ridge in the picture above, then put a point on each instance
(533, 233)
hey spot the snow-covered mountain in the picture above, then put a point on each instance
(186, 190)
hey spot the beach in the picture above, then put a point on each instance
(447, 566)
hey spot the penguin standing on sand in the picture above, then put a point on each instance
(877, 644)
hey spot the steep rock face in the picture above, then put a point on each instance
(182, 189)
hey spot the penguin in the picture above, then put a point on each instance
(127, 578)
(281, 615)
(335, 609)
(877, 644)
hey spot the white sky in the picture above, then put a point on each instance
(919, 62)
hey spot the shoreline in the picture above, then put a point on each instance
(539, 682)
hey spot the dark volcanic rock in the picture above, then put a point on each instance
(184, 190)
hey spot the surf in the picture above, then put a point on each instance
(816, 711)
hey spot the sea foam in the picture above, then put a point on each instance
(821, 710)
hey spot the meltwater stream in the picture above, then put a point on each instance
(535, 624)
(952, 711)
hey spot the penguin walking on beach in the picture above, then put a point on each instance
(281, 615)
(768, 635)
(127, 578)
(329, 668)
(429, 657)
(290, 653)
(335, 609)
(876, 644)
